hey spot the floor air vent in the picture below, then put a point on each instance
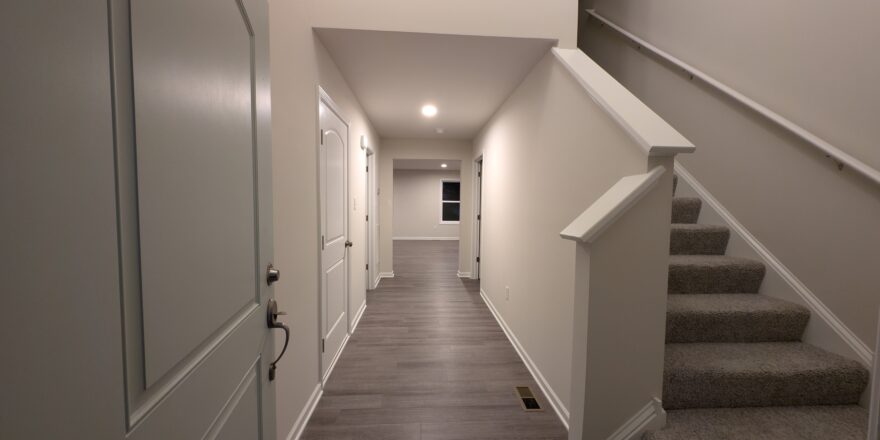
(528, 400)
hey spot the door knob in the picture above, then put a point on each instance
(272, 315)
(272, 274)
(348, 244)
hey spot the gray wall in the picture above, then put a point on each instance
(809, 62)
(548, 153)
(417, 204)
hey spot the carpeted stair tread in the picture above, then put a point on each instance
(714, 274)
(773, 423)
(713, 375)
(686, 209)
(698, 239)
(733, 317)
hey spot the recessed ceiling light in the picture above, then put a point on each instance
(439, 131)
(429, 111)
(442, 165)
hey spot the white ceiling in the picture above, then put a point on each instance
(426, 164)
(394, 74)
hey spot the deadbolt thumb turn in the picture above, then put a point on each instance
(272, 315)
(272, 274)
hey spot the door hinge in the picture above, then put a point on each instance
(478, 259)
(368, 217)
(480, 174)
(368, 168)
(322, 136)
(479, 216)
(322, 345)
(322, 242)
(368, 266)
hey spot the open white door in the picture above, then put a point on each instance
(195, 218)
(135, 293)
(333, 172)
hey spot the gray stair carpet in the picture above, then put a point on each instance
(686, 209)
(722, 375)
(735, 366)
(714, 274)
(697, 239)
(779, 423)
(733, 317)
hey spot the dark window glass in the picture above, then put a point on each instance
(451, 212)
(452, 191)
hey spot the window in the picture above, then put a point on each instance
(450, 201)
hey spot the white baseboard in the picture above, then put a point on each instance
(809, 299)
(384, 275)
(464, 274)
(303, 419)
(358, 316)
(555, 402)
(426, 238)
(650, 418)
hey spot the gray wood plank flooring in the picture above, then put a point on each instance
(428, 361)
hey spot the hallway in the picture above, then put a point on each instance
(428, 361)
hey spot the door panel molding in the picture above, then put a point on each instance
(194, 143)
(172, 416)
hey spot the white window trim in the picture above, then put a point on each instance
(442, 202)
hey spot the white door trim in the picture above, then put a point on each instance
(478, 210)
(324, 97)
(373, 215)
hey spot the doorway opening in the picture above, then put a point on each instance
(427, 200)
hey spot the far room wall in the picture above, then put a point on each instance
(417, 205)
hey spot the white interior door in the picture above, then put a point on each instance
(333, 139)
(196, 219)
(139, 227)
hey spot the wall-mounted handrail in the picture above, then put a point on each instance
(840, 156)
(652, 133)
(611, 206)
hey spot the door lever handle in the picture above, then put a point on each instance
(272, 315)
(348, 244)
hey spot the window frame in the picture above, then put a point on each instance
(443, 202)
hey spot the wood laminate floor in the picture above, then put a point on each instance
(428, 361)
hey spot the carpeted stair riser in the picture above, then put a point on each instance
(714, 274)
(686, 209)
(719, 375)
(695, 239)
(785, 423)
(733, 317)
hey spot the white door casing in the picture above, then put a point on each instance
(194, 178)
(370, 203)
(333, 188)
(478, 216)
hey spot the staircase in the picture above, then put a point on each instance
(735, 365)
